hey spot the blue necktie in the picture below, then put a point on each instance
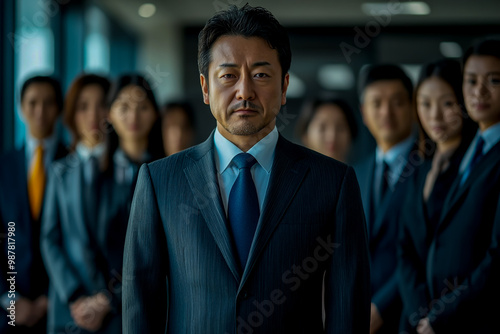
(243, 207)
(478, 154)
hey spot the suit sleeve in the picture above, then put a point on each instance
(481, 284)
(145, 292)
(64, 278)
(347, 281)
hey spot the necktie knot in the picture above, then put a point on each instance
(244, 160)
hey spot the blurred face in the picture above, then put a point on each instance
(90, 115)
(39, 109)
(387, 112)
(439, 111)
(328, 132)
(132, 114)
(482, 89)
(243, 86)
(176, 131)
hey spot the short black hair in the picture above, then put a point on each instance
(246, 21)
(186, 108)
(383, 72)
(311, 107)
(48, 80)
(486, 46)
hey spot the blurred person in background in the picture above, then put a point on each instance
(446, 131)
(71, 224)
(462, 265)
(178, 127)
(328, 126)
(23, 180)
(386, 105)
(86, 267)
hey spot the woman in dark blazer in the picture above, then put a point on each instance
(445, 133)
(88, 203)
(134, 138)
(68, 223)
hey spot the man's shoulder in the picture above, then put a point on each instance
(365, 164)
(177, 161)
(316, 160)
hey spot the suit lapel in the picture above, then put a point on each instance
(286, 176)
(202, 179)
(22, 174)
(367, 192)
(74, 187)
(457, 192)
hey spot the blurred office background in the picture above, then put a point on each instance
(331, 41)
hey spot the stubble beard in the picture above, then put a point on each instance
(244, 127)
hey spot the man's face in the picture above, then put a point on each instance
(40, 110)
(244, 87)
(387, 111)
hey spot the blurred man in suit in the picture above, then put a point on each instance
(385, 96)
(22, 184)
(246, 232)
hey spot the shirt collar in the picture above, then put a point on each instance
(263, 151)
(85, 152)
(47, 142)
(491, 137)
(391, 157)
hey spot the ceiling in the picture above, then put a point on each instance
(302, 12)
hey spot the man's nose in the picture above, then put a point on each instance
(245, 88)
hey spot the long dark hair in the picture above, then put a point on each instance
(450, 72)
(155, 141)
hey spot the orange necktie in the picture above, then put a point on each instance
(36, 183)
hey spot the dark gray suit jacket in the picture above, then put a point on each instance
(83, 255)
(180, 269)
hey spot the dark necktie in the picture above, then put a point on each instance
(243, 207)
(478, 154)
(384, 184)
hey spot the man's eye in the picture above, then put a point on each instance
(261, 75)
(495, 81)
(228, 76)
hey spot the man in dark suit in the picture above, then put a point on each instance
(463, 262)
(246, 232)
(22, 184)
(385, 93)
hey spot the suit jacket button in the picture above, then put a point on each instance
(245, 294)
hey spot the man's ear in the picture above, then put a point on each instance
(286, 81)
(204, 89)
